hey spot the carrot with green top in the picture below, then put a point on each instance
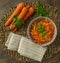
(30, 12)
(16, 12)
(21, 15)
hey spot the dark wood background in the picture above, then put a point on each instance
(4, 5)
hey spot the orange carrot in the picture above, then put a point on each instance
(12, 26)
(30, 12)
(16, 12)
(23, 12)
(15, 30)
(21, 15)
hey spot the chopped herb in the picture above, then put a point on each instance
(39, 28)
(43, 34)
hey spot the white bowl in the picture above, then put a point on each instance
(39, 18)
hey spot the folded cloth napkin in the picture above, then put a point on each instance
(8, 39)
(25, 47)
(29, 49)
(13, 41)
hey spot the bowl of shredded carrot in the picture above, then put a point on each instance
(42, 31)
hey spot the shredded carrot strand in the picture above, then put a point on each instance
(49, 29)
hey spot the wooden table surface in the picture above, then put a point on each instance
(4, 5)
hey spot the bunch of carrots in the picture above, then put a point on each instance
(23, 12)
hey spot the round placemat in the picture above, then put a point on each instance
(53, 49)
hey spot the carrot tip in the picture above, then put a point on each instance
(12, 27)
(28, 6)
(15, 30)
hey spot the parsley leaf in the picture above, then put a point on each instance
(43, 34)
(39, 28)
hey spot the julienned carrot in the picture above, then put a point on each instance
(30, 12)
(21, 15)
(36, 35)
(16, 12)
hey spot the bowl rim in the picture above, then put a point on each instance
(55, 30)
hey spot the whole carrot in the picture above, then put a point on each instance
(16, 12)
(21, 15)
(30, 12)
(23, 12)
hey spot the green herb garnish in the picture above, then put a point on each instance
(43, 34)
(41, 30)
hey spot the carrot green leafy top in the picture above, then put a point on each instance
(40, 10)
(17, 22)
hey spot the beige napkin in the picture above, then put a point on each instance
(8, 39)
(25, 47)
(29, 49)
(13, 41)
